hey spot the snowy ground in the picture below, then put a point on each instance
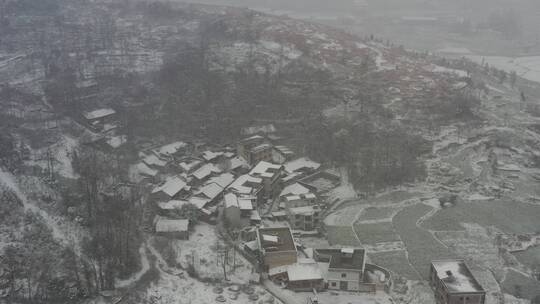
(26, 189)
(202, 249)
(526, 67)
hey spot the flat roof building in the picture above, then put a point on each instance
(453, 282)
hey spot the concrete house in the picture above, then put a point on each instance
(281, 154)
(260, 153)
(345, 269)
(305, 275)
(453, 283)
(97, 119)
(238, 211)
(271, 177)
(276, 247)
(248, 185)
(244, 146)
(301, 207)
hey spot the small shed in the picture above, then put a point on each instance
(172, 227)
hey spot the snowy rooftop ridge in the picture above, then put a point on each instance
(456, 276)
(99, 113)
(171, 187)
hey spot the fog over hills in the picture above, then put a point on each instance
(269, 151)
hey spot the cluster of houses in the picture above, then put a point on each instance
(258, 179)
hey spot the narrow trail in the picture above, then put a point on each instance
(58, 232)
(145, 266)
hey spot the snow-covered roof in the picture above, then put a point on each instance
(279, 213)
(253, 245)
(276, 239)
(265, 169)
(239, 185)
(456, 276)
(199, 202)
(238, 162)
(172, 204)
(153, 160)
(284, 150)
(270, 238)
(269, 128)
(188, 166)
(142, 168)
(205, 171)
(295, 189)
(231, 200)
(171, 187)
(261, 148)
(245, 204)
(255, 216)
(277, 270)
(99, 113)
(347, 250)
(301, 163)
(209, 155)
(306, 210)
(222, 180)
(117, 141)
(304, 270)
(211, 190)
(252, 138)
(171, 148)
(171, 225)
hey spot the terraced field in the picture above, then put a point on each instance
(376, 233)
(376, 213)
(341, 235)
(421, 245)
(395, 261)
(508, 216)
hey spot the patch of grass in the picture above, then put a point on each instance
(507, 215)
(395, 261)
(376, 213)
(341, 236)
(376, 233)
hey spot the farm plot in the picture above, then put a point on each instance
(395, 197)
(476, 244)
(508, 216)
(341, 235)
(421, 245)
(395, 261)
(521, 286)
(376, 233)
(376, 213)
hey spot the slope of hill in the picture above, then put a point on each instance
(391, 116)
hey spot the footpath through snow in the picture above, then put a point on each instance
(59, 234)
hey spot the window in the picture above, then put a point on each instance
(343, 275)
(333, 284)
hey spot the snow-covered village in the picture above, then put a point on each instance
(162, 152)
